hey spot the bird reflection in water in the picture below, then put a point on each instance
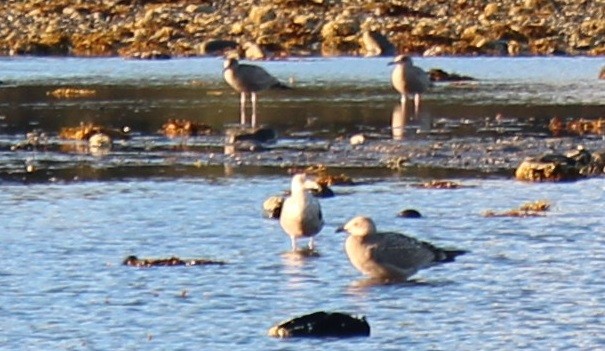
(398, 122)
(401, 123)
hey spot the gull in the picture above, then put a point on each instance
(301, 213)
(388, 255)
(248, 79)
(408, 79)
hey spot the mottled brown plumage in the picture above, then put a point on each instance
(408, 79)
(390, 255)
(248, 79)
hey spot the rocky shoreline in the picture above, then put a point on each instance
(285, 28)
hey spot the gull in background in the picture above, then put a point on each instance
(248, 79)
(408, 79)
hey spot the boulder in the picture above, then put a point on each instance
(272, 207)
(217, 47)
(376, 44)
(322, 324)
(549, 167)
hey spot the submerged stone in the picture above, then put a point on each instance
(172, 261)
(259, 135)
(530, 209)
(322, 324)
(182, 127)
(409, 213)
(439, 75)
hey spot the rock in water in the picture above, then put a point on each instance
(322, 324)
(272, 207)
(409, 213)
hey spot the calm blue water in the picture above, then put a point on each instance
(532, 283)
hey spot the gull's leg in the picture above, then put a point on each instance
(242, 108)
(403, 101)
(293, 244)
(416, 104)
(253, 98)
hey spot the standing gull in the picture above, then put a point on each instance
(408, 79)
(248, 79)
(387, 255)
(301, 213)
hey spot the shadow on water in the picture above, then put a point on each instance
(313, 121)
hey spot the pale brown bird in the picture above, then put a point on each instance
(408, 79)
(248, 79)
(301, 215)
(388, 255)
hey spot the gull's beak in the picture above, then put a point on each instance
(341, 229)
(391, 63)
(311, 185)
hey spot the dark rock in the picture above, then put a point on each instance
(439, 75)
(322, 324)
(217, 47)
(172, 261)
(259, 135)
(322, 191)
(409, 213)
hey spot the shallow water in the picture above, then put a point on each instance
(334, 93)
(332, 99)
(531, 283)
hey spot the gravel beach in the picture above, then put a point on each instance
(259, 29)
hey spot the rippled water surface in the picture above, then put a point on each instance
(69, 221)
(532, 283)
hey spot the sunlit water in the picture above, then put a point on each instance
(333, 92)
(527, 283)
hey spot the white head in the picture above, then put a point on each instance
(402, 59)
(298, 183)
(359, 226)
(230, 62)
